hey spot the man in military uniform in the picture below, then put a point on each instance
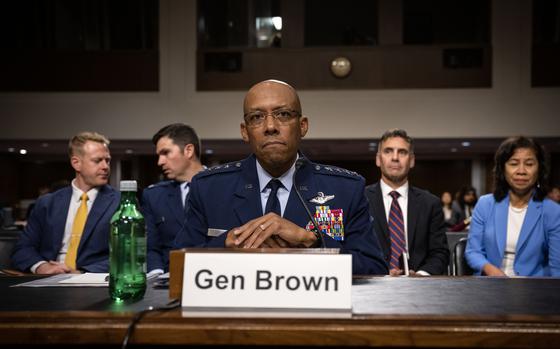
(253, 203)
(164, 203)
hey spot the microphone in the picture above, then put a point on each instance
(300, 163)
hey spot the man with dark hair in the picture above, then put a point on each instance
(68, 230)
(164, 204)
(253, 203)
(407, 219)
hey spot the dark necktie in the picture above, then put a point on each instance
(185, 206)
(396, 228)
(273, 204)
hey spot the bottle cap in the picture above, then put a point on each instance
(128, 186)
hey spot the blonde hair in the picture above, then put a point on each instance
(76, 144)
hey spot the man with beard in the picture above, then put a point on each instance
(68, 230)
(406, 218)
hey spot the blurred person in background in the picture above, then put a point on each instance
(449, 216)
(463, 207)
(554, 194)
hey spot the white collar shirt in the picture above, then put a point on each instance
(402, 200)
(283, 192)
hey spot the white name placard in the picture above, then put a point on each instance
(267, 281)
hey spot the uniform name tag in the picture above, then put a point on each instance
(236, 283)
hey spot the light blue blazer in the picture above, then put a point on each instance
(538, 249)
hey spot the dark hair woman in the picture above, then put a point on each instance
(516, 230)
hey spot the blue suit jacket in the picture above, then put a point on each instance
(42, 237)
(228, 196)
(164, 214)
(538, 249)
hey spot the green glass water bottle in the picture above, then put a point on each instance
(127, 256)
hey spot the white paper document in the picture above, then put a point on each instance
(70, 280)
(87, 279)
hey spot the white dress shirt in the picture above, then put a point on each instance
(515, 221)
(403, 203)
(283, 192)
(185, 187)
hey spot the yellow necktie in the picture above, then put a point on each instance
(77, 230)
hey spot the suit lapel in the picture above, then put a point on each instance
(500, 224)
(60, 215)
(412, 216)
(532, 216)
(247, 198)
(175, 202)
(379, 210)
(294, 211)
(100, 205)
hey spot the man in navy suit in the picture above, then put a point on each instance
(421, 216)
(253, 202)
(164, 203)
(47, 237)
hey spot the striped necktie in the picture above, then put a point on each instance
(77, 230)
(396, 229)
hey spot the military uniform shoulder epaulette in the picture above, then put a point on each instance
(223, 168)
(336, 171)
(159, 184)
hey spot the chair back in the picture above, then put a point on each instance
(460, 266)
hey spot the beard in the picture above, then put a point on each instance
(398, 179)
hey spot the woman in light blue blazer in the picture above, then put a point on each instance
(516, 231)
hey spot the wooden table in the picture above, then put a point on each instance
(406, 312)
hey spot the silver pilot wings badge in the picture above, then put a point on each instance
(321, 198)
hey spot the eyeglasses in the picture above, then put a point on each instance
(283, 116)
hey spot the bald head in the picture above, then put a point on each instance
(269, 90)
(275, 137)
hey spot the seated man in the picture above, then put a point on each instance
(164, 203)
(408, 219)
(68, 230)
(253, 202)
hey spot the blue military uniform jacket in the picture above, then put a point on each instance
(227, 196)
(42, 237)
(164, 214)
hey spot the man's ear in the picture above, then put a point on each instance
(378, 159)
(412, 160)
(76, 163)
(188, 150)
(303, 125)
(244, 134)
